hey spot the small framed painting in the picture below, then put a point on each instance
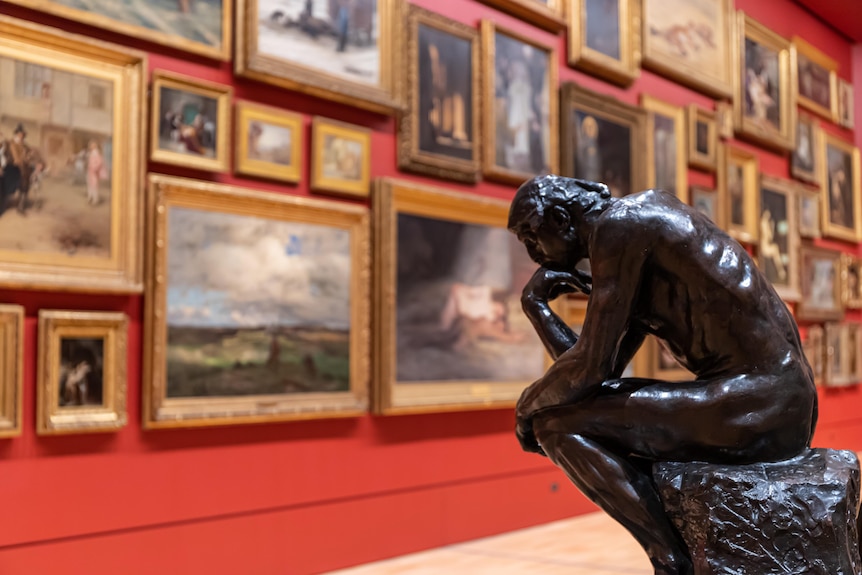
(816, 80)
(341, 157)
(820, 285)
(805, 159)
(708, 201)
(841, 197)
(764, 107)
(666, 150)
(438, 134)
(778, 242)
(809, 213)
(190, 122)
(738, 184)
(11, 368)
(257, 309)
(838, 360)
(851, 281)
(547, 14)
(453, 335)
(604, 40)
(846, 104)
(603, 140)
(269, 142)
(724, 119)
(815, 352)
(702, 138)
(854, 352)
(520, 106)
(82, 372)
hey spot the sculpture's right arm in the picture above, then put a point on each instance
(553, 331)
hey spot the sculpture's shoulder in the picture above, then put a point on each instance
(649, 212)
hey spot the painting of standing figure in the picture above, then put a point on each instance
(81, 366)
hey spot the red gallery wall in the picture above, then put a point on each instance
(307, 497)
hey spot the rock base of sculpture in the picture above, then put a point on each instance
(790, 517)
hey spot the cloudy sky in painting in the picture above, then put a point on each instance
(243, 271)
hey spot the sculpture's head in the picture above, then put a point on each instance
(547, 215)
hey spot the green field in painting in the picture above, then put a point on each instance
(209, 362)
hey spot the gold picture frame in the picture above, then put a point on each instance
(177, 96)
(851, 281)
(805, 157)
(809, 213)
(327, 375)
(105, 255)
(841, 210)
(591, 122)
(820, 285)
(764, 101)
(815, 352)
(81, 372)
(618, 63)
(660, 116)
(702, 138)
(778, 241)
(433, 351)
(854, 352)
(710, 202)
(737, 178)
(328, 162)
(272, 125)
(724, 119)
(547, 14)
(11, 368)
(710, 72)
(214, 44)
(256, 33)
(438, 133)
(813, 70)
(846, 103)
(504, 160)
(837, 370)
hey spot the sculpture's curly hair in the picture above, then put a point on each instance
(549, 190)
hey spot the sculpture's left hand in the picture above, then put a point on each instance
(526, 436)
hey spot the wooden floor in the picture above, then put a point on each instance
(587, 545)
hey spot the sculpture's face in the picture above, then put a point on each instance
(551, 241)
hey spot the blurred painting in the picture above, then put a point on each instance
(188, 123)
(256, 306)
(736, 194)
(846, 104)
(81, 371)
(603, 27)
(336, 37)
(603, 152)
(56, 161)
(814, 81)
(458, 304)
(774, 246)
(762, 87)
(820, 287)
(803, 160)
(705, 200)
(269, 142)
(701, 138)
(840, 178)
(665, 145)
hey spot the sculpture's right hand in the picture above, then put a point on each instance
(527, 438)
(547, 284)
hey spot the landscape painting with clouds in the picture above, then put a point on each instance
(256, 306)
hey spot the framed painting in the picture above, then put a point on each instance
(603, 140)
(835, 372)
(854, 352)
(257, 306)
(815, 351)
(820, 285)
(805, 159)
(666, 137)
(691, 42)
(202, 27)
(778, 242)
(851, 281)
(450, 331)
(841, 210)
(11, 368)
(702, 138)
(816, 80)
(438, 133)
(547, 14)
(764, 107)
(70, 107)
(340, 157)
(809, 213)
(738, 183)
(269, 142)
(520, 110)
(342, 51)
(190, 123)
(708, 201)
(82, 372)
(604, 39)
(846, 104)
(724, 119)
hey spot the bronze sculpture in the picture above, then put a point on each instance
(657, 267)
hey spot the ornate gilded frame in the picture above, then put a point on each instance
(247, 112)
(219, 92)
(717, 83)
(830, 229)
(815, 352)
(574, 98)
(728, 156)
(384, 97)
(702, 161)
(548, 15)
(851, 295)
(810, 176)
(654, 107)
(805, 311)
(783, 138)
(836, 334)
(121, 271)
(160, 411)
(622, 71)
(720, 200)
(808, 197)
(11, 368)
(489, 128)
(112, 328)
(410, 157)
(803, 48)
(789, 291)
(846, 104)
(320, 181)
(392, 197)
